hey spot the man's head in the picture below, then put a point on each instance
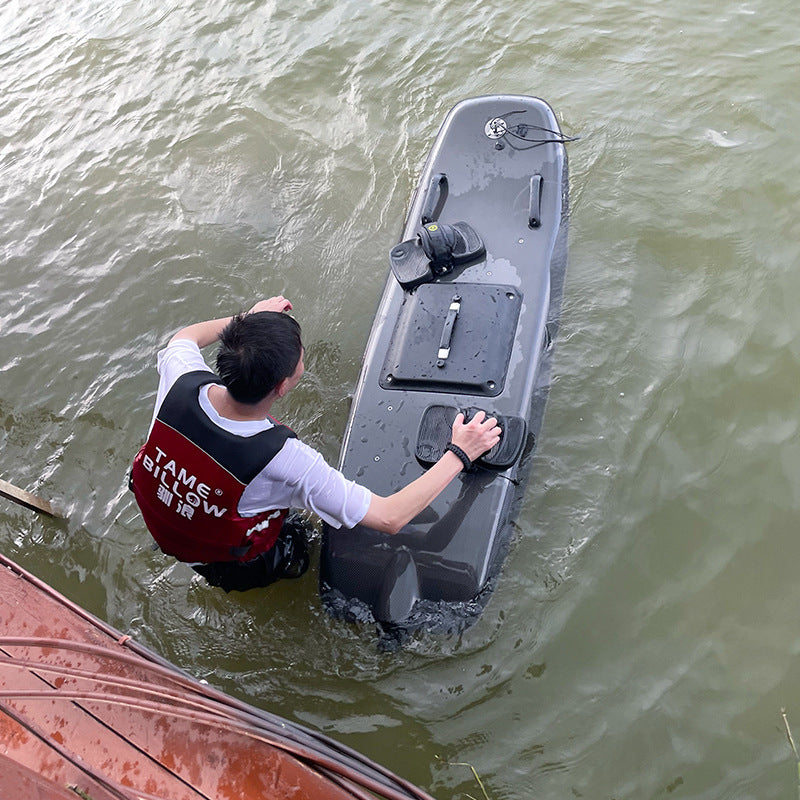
(257, 352)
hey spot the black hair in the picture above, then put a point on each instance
(257, 351)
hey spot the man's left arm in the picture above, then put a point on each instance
(206, 333)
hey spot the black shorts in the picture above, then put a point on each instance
(287, 558)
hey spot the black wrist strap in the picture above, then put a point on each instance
(454, 448)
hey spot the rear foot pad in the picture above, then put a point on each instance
(436, 427)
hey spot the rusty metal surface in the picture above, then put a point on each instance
(83, 707)
(18, 781)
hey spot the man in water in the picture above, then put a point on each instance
(217, 475)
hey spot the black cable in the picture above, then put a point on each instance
(520, 132)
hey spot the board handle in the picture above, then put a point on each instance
(434, 197)
(535, 203)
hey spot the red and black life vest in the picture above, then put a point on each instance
(190, 474)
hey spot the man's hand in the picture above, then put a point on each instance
(477, 436)
(278, 303)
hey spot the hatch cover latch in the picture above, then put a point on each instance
(447, 331)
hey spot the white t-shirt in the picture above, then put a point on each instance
(297, 477)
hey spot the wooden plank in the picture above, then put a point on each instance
(23, 498)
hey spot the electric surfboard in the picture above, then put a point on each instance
(466, 322)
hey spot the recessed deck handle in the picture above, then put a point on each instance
(535, 204)
(433, 198)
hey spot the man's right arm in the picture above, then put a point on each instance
(299, 477)
(390, 514)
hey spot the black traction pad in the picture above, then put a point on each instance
(436, 427)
